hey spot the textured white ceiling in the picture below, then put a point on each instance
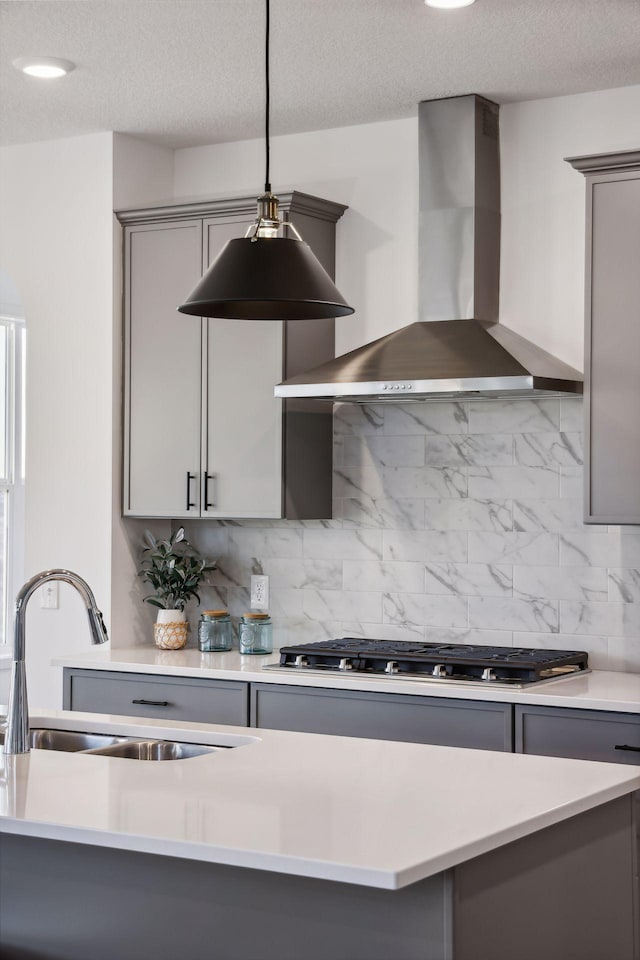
(186, 72)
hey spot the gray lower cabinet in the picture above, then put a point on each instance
(481, 725)
(583, 734)
(382, 716)
(142, 695)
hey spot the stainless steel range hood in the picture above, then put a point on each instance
(458, 348)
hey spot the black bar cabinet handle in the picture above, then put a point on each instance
(153, 703)
(190, 477)
(207, 477)
(626, 746)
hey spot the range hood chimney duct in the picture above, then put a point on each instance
(459, 234)
(458, 348)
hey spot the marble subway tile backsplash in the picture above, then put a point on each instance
(454, 521)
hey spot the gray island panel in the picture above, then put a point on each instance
(567, 892)
(68, 901)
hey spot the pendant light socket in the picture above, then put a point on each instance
(268, 208)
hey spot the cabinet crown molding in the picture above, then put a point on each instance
(606, 162)
(291, 201)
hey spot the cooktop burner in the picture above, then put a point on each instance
(432, 661)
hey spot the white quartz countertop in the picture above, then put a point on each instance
(367, 812)
(597, 690)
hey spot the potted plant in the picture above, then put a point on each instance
(175, 570)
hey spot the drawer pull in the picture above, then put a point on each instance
(626, 746)
(153, 703)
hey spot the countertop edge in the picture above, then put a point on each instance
(314, 869)
(184, 850)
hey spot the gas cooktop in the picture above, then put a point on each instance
(468, 663)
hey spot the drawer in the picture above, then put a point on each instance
(452, 723)
(143, 695)
(583, 734)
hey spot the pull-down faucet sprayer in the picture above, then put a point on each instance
(17, 735)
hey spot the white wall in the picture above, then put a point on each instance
(60, 244)
(543, 205)
(374, 169)
(142, 174)
(56, 244)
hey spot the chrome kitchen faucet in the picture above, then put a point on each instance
(17, 736)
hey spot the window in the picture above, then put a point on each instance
(12, 356)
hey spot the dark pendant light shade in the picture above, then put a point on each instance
(267, 275)
(266, 279)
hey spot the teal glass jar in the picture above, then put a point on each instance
(256, 633)
(214, 631)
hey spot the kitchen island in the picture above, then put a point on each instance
(308, 847)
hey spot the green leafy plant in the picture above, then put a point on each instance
(174, 569)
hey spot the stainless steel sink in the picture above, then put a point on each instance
(153, 750)
(110, 745)
(70, 741)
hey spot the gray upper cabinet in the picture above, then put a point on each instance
(162, 370)
(242, 420)
(612, 337)
(204, 435)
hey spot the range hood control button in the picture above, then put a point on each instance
(345, 664)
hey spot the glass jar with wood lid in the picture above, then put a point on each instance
(214, 631)
(256, 633)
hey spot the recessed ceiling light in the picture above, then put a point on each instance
(47, 68)
(449, 4)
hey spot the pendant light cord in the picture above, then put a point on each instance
(267, 184)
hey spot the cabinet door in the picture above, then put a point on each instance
(242, 441)
(144, 695)
(162, 371)
(380, 716)
(613, 351)
(582, 734)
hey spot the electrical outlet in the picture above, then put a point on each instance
(49, 595)
(260, 593)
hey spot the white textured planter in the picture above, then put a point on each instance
(171, 629)
(171, 616)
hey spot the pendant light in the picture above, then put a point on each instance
(270, 273)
